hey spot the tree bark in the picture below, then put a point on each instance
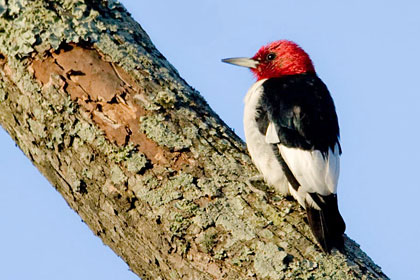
(140, 156)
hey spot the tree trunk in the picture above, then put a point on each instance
(140, 156)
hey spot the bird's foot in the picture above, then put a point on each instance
(255, 180)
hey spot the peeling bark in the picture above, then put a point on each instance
(140, 156)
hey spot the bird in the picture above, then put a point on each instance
(292, 135)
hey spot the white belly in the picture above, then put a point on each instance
(262, 154)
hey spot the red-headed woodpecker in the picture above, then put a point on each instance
(292, 134)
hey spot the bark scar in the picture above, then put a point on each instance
(107, 92)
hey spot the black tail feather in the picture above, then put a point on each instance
(326, 224)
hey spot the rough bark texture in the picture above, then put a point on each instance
(140, 156)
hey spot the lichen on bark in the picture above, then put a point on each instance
(140, 156)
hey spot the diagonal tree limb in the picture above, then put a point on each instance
(140, 156)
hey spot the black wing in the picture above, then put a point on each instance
(302, 110)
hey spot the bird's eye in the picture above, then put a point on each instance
(270, 56)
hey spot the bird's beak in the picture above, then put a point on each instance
(242, 61)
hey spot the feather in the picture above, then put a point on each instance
(326, 223)
(271, 136)
(315, 173)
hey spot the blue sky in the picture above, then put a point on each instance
(367, 54)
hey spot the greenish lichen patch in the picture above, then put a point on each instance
(36, 26)
(227, 219)
(3, 95)
(207, 240)
(187, 182)
(178, 224)
(157, 192)
(146, 104)
(334, 266)
(166, 99)
(226, 165)
(269, 261)
(164, 132)
(266, 234)
(272, 214)
(204, 219)
(136, 162)
(117, 175)
(57, 134)
(123, 153)
(25, 26)
(87, 173)
(37, 128)
(187, 207)
(24, 104)
(209, 187)
(182, 246)
(244, 256)
(238, 205)
(181, 179)
(220, 254)
(85, 131)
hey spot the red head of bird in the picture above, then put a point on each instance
(277, 59)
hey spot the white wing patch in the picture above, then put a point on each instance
(271, 136)
(314, 172)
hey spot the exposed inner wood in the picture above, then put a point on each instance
(108, 93)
